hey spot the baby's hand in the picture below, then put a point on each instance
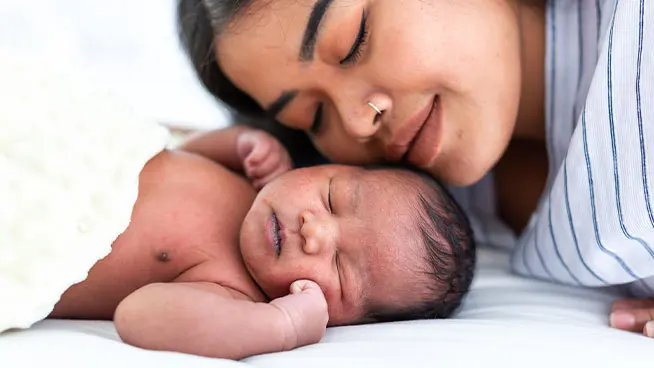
(635, 315)
(263, 156)
(306, 312)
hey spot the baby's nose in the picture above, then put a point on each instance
(318, 232)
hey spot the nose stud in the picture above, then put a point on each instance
(379, 112)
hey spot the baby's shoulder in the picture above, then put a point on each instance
(191, 172)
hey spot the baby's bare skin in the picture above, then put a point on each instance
(176, 279)
(203, 258)
(159, 247)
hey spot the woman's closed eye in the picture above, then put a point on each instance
(352, 58)
(317, 121)
(356, 50)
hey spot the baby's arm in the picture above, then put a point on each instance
(243, 149)
(218, 145)
(210, 320)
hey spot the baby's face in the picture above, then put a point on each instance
(353, 231)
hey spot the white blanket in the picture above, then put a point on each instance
(70, 158)
(506, 321)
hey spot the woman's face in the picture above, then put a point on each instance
(445, 73)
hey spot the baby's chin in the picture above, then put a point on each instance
(266, 290)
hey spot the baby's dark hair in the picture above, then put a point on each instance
(450, 254)
(445, 230)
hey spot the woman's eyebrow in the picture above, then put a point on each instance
(312, 30)
(307, 50)
(280, 103)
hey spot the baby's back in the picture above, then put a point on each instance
(184, 228)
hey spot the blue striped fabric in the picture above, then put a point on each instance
(595, 224)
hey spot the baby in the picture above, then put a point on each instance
(207, 266)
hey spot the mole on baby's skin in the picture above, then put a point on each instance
(163, 257)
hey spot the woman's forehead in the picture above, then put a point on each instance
(268, 22)
(258, 51)
(261, 50)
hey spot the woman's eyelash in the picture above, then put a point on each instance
(356, 51)
(317, 121)
(352, 58)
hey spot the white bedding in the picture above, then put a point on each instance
(506, 321)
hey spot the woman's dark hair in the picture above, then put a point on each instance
(199, 22)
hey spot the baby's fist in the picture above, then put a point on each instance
(306, 313)
(263, 156)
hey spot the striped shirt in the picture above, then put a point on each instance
(594, 224)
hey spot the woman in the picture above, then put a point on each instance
(534, 111)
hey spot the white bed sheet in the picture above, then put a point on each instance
(506, 321)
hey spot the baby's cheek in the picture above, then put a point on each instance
(274, 287)
(338, 315)
(337, 312)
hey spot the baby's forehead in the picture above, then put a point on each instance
(385, 178)
(404, 195)
(396, 215)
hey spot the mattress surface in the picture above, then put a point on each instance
(506, 321)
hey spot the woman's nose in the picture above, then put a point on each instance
(365, 118)
(319, 232)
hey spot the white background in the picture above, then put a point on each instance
(129, 46)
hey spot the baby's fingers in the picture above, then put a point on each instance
(260, 168)
(252, 146)
(305, 286)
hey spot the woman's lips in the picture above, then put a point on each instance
(425, 146)
(406, 135)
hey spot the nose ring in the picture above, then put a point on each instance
(379, 112)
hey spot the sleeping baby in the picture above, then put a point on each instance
(208, 266)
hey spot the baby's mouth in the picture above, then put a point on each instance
(276, 234)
